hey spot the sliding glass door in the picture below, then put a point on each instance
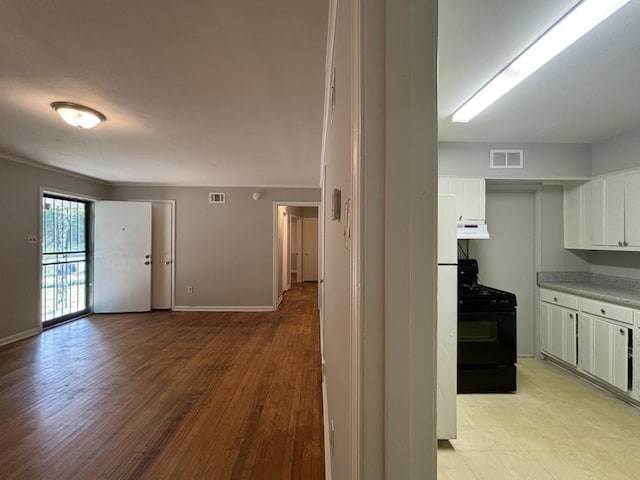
(65, 258)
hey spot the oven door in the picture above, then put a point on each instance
(486, 338)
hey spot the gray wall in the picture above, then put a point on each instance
(224, 251)
(541, 161)
(526, 228)
(19, 208)
(617, 264)
(506, 260)
(618, 153)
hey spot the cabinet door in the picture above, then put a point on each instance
(619, 357)
(602, 349)
(556, 331)
(473, 207)
(585, 342)
(632, 209)
(544, 326)
(569, 337)
(607, 210)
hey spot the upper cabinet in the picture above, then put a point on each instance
(603, 214)
(615, 209)
(470, 197)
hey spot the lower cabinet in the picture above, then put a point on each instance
(604, 350)
(558, 332)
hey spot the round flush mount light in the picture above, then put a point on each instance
(78, 115)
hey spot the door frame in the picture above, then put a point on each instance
(275, 264)
(173, 244)
(72, 196)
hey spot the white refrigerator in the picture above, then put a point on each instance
(447, 323)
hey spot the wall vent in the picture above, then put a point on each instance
(217, 197)
(505, 158)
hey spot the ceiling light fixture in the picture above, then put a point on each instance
(78, 115)
(582, 18)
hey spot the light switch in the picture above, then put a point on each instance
(32, 239)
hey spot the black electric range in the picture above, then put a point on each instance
(486, 335)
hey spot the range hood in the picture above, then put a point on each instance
(468, 231)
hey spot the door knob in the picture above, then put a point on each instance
(147, 262)
(147, 256)
(168, 262)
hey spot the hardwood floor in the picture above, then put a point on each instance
(167, 395)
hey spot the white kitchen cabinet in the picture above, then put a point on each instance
(632, 209)
(558, 332)
(576, 220)
(470, 197)
(615, 211)
(607, 210)
(603, 349)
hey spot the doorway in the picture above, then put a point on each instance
(65, 254)
(296, 246)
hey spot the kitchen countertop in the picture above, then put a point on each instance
(618, 290)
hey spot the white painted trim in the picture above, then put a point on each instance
(327, 432)
(20, 336)
(279, 301)
(50, 168)
(223, 308)
(355, 443)
(274, 238)
(331, 38)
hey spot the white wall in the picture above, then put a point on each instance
(618, 153)
(337, 256)
(224, 251)
(19, 261)
(541, 161)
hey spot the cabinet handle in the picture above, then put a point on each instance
(571, 315)
(555, 299)
(622, 331)
(619, 243)
(602, 311)
(625, 243)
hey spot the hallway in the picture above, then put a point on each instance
(167, 395)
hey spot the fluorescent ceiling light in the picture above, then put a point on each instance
(78, 115)
(585, 16)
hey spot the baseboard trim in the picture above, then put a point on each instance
(210, 308)
(327, 432)
(19, 336)
(279, 301)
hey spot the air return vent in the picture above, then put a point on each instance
(217, 197)
(505, 158)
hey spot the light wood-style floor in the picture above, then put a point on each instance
(167, 396)
(556, 427)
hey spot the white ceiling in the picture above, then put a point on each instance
(196, 92)
(589, 92)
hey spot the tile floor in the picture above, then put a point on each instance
(557, 426)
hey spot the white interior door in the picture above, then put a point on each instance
(310, 249)
(299, 250)
(122, 257)
(162, 255)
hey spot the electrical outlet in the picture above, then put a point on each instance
(32, 239)
(189, 289)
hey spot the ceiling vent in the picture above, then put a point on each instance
(505, 159)
(217, 197)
